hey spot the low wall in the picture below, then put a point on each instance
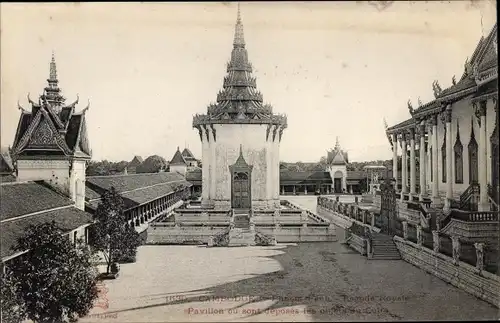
(300, 234)
(171, 234)
(181, 235)
(481, 284)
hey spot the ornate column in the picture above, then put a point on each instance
(449, 158)
(436, 243)
(482, 158)
(413, 175)
(456, 249)
(479, 256)
(435, 151)
(422, 162)
(395, 159)
(404, 166)
(405, 230)
(419, 234)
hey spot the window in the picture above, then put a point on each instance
(443, 158)
(430, 153)
(459, 159)
(74, 237)
(473, 157)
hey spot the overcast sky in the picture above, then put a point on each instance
(336, 69)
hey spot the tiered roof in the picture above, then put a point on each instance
(52, 127)
(239, 101)
(6, 166)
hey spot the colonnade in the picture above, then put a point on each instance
(426, 130)
(145, 212)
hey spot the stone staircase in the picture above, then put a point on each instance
(384, 247)
(241, 234)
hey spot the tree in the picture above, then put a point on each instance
(55, 279)
(110, 233)
(152, 164)
(12, 308)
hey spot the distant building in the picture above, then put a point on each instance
(337, 160)
(134, 163)
(178, 164)
(189, 158)
(334, 179)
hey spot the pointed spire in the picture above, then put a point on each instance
(239, 39)
(53, 69)
(337, 143)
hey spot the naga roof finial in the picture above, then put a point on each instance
(410, 107)
(29, 99)
(87, 107)
(72, 105)
(239, 39)
(20, 107)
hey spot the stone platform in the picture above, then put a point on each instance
(195, 224)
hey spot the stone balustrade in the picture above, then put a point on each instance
(349, 210)
(472, 279)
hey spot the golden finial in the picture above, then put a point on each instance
(239, 39)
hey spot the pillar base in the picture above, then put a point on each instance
(436, 202)
(483, 207)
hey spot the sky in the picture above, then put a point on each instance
(335, 69)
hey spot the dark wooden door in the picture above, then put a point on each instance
(388, 209)
(241, 191)
(337, 185)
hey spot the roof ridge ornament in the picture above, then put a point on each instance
(453, 80)
(410, 107)
(436, 88)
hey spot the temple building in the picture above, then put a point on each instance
(454, 138)
(337, 160)
(49, 155)
(45, 180)
(240, 138)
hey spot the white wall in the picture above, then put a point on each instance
(262, 155)
(181, 169)
(463, 111)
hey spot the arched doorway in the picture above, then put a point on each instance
(337, 181)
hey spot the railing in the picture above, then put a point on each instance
(352, 211)
(470, 198)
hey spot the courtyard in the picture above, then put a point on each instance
(289, 282)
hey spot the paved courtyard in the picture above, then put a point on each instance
(304, 282)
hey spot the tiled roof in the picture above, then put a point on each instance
(135, 189)
(35, 197)
(68, 219)
(356, 174)
(194, 175)
(140, 196)
(178, 159)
